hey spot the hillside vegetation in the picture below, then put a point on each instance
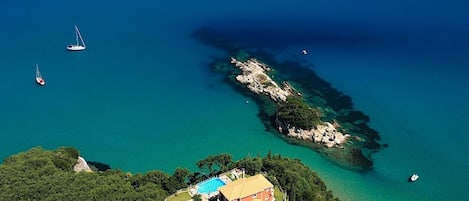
(40, 174)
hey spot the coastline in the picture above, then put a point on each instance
(404, 80)
(326, 136)
(255, 77)
(65, 174)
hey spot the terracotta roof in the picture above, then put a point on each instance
(245, 187)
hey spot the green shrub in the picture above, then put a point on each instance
(296, 113)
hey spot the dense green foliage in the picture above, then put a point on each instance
(296, 179)
(296, 113)
(197, 198)
(168, 183)
(220, 162)
(40, 174)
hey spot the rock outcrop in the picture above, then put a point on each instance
(81, 165)
(254, 76)
(325, 134)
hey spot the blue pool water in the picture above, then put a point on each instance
(210, 185)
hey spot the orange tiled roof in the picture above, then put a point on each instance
(245, 187)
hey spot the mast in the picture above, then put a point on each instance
(76, 34)
(79, 35)
(38, 73)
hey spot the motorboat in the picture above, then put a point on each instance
(413, 178)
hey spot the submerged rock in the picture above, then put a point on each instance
(318, 116)
(296, 119)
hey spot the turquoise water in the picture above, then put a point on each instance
(142, 95)
(210, 185)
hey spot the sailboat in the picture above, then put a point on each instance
(80, 45)
(39, 79)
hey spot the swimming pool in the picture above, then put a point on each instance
(210, 186)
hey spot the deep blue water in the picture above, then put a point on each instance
(142, 95)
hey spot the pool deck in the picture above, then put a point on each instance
(225, 179)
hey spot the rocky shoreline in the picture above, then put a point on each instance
(343, 142)
(325, 134)
(254, 76)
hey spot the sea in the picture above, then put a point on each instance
(143, 95)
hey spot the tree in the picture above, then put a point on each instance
(222, 161)
(206, 163)
(197, 197)
(180, 175)
(156, 177)
(296, 113)
(250, 165)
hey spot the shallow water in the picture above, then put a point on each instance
(142, 95)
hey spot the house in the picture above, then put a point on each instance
(254, 188)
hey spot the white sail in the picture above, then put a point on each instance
(38, 73)
(79, 36)
(39, 78)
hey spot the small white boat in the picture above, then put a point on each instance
(80, 44)
(414, 177)
(305, 52)
(39, 79)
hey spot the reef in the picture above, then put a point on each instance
(296, 104)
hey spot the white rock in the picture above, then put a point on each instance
(325, 134)
(254, 76)
(81, 165)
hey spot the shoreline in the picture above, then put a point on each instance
(335, 139)
(254, 76)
